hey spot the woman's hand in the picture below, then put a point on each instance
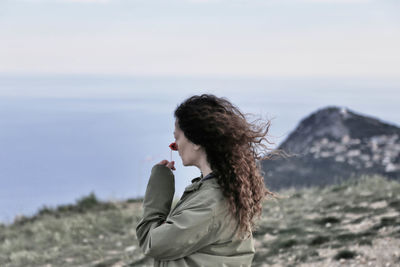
(169, 164)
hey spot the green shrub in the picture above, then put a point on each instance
(88, 202)
(318, 240)
(345, 254)
(325, 220)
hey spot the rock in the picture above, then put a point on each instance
(330, 145)
(130, 248)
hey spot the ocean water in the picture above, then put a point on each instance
(62, 137)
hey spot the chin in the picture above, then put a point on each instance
(185, 163)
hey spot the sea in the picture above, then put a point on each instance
(63, 137)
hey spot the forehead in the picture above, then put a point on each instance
(176, 126)
(177, 130)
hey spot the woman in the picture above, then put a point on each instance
(212, 223)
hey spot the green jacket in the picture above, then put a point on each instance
(196, 232)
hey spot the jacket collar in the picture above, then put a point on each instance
(196, 179)
(196, 183)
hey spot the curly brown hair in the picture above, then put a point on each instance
(231, 144)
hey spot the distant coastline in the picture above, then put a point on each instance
(63, 136)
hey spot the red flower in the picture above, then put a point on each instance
(173, 146)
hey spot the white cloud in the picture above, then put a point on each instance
(309, 41)
(280, 1)
(69, 1)
(87, 1)
(279, 54)
(333, 1)
(244, 2)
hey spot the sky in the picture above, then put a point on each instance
(296, 38)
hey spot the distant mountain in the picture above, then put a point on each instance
(334, 144)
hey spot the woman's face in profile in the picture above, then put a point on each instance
(186, 149)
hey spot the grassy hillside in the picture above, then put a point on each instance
(354, 223)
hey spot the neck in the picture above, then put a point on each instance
(204, 174)
(205, 168)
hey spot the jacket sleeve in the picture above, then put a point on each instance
(183, 232)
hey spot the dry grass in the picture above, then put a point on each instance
(356, 223)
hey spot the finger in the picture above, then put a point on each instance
(171, 164)
(163, 162)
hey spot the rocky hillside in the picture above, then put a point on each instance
(333, 144)
(356, 223)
